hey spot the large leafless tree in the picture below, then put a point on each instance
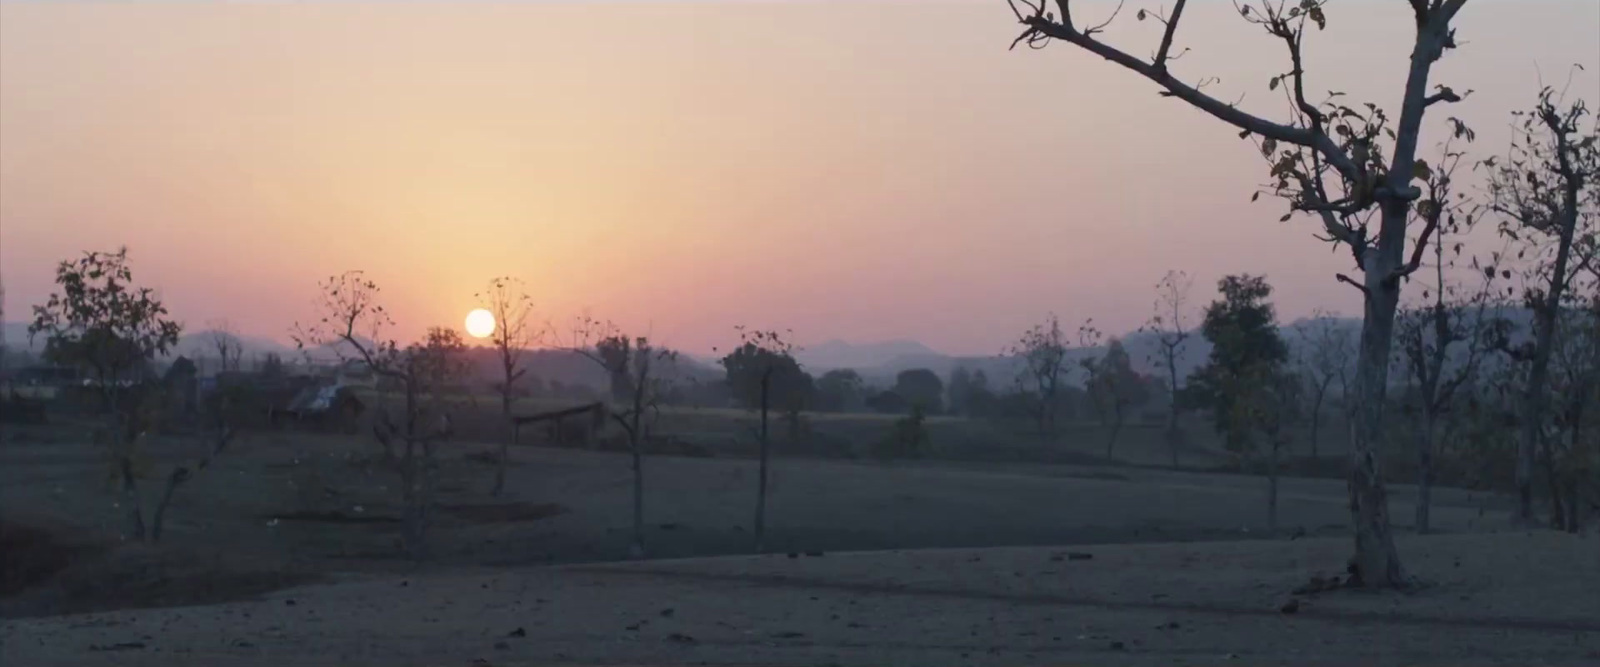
(1170, 324)
(508, 301)
(1326, 350)
(1343, 164)
(224, 339)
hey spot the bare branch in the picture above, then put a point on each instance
(1166, 37)
(1223, 111)
(1431, 224)
(1353, 283)
(1444, 95)
(1102, 26)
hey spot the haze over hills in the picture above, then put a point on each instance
(877, 362)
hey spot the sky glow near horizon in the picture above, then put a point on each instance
(855, 170)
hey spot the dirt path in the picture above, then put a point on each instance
(1502, 599)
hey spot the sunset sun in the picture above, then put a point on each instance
(480, 323)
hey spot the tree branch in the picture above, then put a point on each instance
(1444, 95)
(1353, 283)
(1228, 113)
(1166, 37)
(1415, 262)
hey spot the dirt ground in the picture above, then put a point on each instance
(313, 519)
(316, 504)
(1495, 599)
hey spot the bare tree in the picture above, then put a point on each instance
(1327, 160)
(214, 440)
(225, 340)
(1324, 359)
(1043, 353)
(513, 334)
(1172, 336)
(1431, 337)
(762, 359)
(1546, 194)
(351, 322)
(631, 363)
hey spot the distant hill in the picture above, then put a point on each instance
(878, 363)
(840, 354)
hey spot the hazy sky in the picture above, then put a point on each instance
(854, 170)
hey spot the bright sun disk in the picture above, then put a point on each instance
(480, 323)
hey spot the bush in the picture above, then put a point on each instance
(908, 438)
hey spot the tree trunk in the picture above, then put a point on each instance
(1376, 560)
(1272, 486)
(761, 483)
(509, 437)
(1172, 412)
(637, 550)
(1377, 563)
(413, 516)
(1316, 416)
(1116, 430)
(130, 497)
(1536, 399)
(1558, 510)
(636, 445)
(179, 476)
(1425, 470)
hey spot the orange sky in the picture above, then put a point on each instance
(853, 170)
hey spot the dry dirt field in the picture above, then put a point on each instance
(1505, 599)
(311, 519)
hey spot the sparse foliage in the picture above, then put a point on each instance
(1115, 389)
(1170, 324)
(509, 303)
(762, 370)
(1042, 351)
(1344, 164)
(1546, 194)
(101, 321)
(352, 323)
(1326, 356)
(631, 362)
(1442, 341)
(225, 341)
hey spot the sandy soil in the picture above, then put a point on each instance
(1495, 599)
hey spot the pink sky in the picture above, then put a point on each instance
(853, 170)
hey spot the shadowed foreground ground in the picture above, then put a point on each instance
(1490, 599)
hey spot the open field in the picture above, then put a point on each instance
(284, 507)
(286, 551)
(1505, 599)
